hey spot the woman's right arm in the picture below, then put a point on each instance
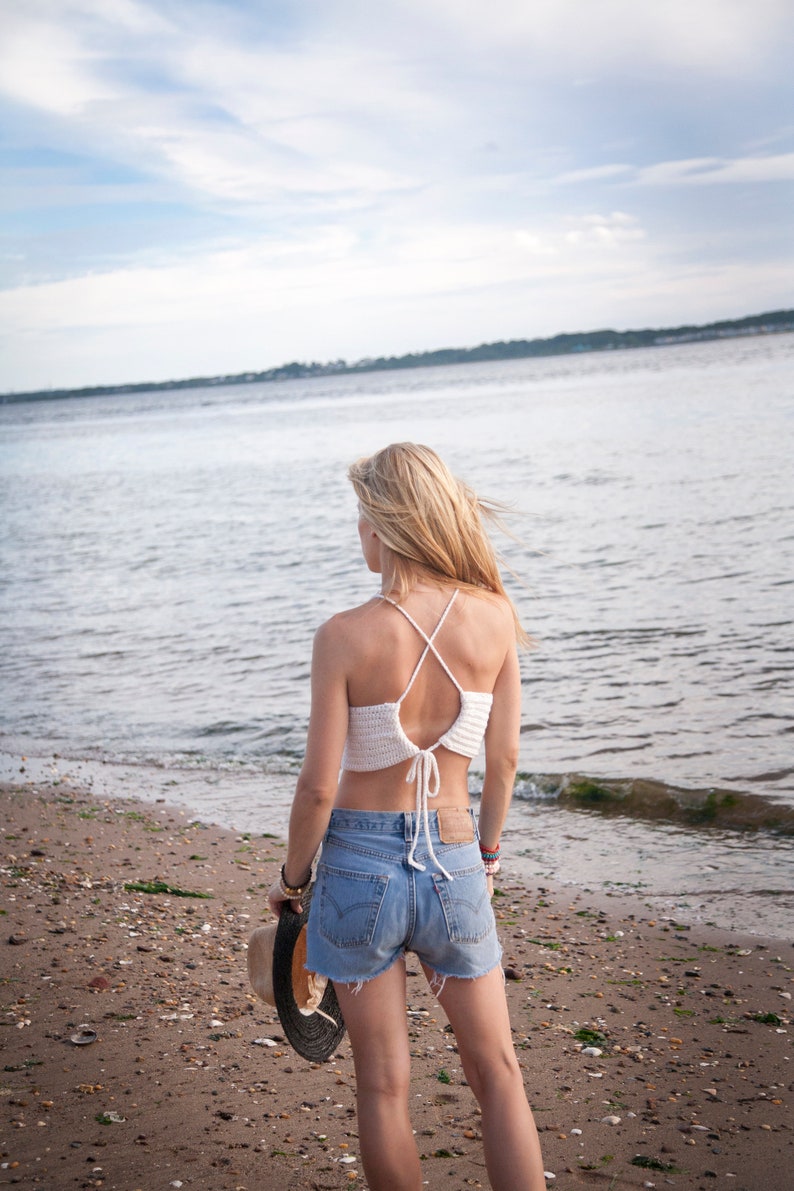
(316, 787)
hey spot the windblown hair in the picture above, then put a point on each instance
(430, 521)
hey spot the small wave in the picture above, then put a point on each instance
(225, 728)
(657, 801)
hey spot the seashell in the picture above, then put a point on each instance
(84, 1036)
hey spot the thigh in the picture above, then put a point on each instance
(478, 1013)
(377, 1025)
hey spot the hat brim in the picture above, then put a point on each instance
(312, 1035)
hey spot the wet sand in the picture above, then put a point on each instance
(654, 1055)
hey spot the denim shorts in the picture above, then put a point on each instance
(370, 906)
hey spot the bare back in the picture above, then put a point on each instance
(382, 649)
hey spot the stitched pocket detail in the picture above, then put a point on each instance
(466, 905)
(350, 904)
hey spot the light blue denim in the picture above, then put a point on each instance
(370, 906)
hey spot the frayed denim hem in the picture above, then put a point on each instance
(438, 980)
(356, 983)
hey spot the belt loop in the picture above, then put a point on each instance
(408, 834)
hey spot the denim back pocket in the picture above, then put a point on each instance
(466, 905)
(350, 903)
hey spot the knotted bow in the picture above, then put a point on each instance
(424, 771)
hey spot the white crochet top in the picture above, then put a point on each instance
(376, 738)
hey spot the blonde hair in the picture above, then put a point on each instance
(430, 521)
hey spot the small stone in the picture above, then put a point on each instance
(611, 1120)
(592, 1052)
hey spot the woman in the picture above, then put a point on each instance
(404, 689)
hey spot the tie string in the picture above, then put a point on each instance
(424, 771)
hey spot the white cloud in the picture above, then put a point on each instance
(267, 279)
(712, 36)
(709, 171)
(236, 123)
(596, 173)
(393, 175)
(690, 171)
(46, 65)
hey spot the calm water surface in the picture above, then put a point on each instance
(166, 557)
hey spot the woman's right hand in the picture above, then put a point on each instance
(276, 900)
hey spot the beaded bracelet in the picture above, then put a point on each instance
(293, 891)
(490, 860)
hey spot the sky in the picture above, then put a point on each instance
(196, 187)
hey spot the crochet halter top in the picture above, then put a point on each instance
(376, 738)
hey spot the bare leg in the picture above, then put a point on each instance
(378, 1027)
(477, 1011)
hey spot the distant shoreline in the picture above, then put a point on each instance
(771, 323)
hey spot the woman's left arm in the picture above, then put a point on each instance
(315, 791)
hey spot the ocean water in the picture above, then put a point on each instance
(166, 557)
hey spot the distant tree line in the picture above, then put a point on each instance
(514, 349)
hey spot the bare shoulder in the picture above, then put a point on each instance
(343, 630)
(493, 611)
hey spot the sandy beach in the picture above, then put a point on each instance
(655, 1055)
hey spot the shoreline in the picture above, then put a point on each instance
(717, 878)
(190, 1082)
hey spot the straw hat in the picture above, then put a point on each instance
(306, 1003)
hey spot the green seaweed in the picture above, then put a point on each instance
(652, 1163)
(161, 887)
(590, 1037)
(588, 792)
(710, 808)
(604, 1160)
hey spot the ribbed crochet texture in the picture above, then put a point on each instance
(376, 738)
